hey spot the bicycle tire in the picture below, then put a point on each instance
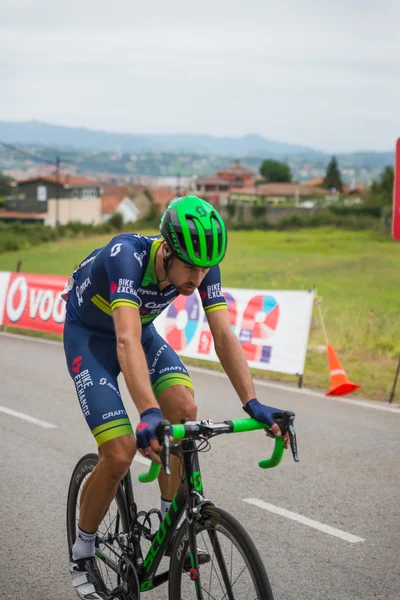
(82, 469)
(215, 521)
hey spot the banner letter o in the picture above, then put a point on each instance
(46, 305)
(18, 285)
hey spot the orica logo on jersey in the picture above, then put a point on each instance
(140, 257)
(153, 308)
(80, 289)
(115, 249)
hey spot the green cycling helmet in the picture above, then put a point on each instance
(194, 231)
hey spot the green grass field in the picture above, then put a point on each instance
(356, 274)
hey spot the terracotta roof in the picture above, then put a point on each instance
(109, 204)
(65, 180)
(214, 179)
(5, 214)
(358, 189)
(237, 169)
(113, 189)
(279, 189)
(315, 181)
(162, 196)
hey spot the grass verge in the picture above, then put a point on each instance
(356, 273)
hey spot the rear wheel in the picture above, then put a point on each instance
(235, 570)
(114, 523)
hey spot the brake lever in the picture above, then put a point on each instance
(286, 424)
(163, 432)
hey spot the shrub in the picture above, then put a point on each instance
(231, 210)
(258, 211)
(116, 221)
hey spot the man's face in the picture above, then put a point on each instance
(186, 278)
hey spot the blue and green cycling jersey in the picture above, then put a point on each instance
(122, 274)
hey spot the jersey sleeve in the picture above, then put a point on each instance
(124, 267)
(210, 291)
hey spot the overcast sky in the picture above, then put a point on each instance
(320, 73)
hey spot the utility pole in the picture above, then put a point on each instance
(57, 191)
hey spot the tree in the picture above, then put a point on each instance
(5, 188)
(381, 190)
(274, 170)
(333, 178)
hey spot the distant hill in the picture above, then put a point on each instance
(366, 159)
(36, 132)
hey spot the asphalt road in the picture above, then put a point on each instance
(348, 479)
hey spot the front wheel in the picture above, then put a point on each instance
(235, 570)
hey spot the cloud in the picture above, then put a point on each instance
(316, 72)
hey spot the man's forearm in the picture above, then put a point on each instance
(136, 374)
(233, 360)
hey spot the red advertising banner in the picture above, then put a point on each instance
(396, 196)
(34, 302)
(272, 326)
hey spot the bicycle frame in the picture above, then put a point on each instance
(189, 495)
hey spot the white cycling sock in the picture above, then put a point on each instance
(84, 545)
(165, 504)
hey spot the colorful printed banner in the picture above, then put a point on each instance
(272, 326)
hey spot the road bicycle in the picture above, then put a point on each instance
(211, 556)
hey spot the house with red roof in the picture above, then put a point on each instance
(54, 200)
(216, 188)
(119, 204)
(274, 193)
(117, 198)
(135, 203)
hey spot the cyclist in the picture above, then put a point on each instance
(112, 300)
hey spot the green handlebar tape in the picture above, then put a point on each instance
(241, 425)
(277, 455)
(178, 432)
(152, 473)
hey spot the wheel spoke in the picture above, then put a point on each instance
(232, 584)
(234, 570)
(212, 561)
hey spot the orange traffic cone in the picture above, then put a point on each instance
(340, 384)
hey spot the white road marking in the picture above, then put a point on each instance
(343, 535)
(14, 413)
(279, 386)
